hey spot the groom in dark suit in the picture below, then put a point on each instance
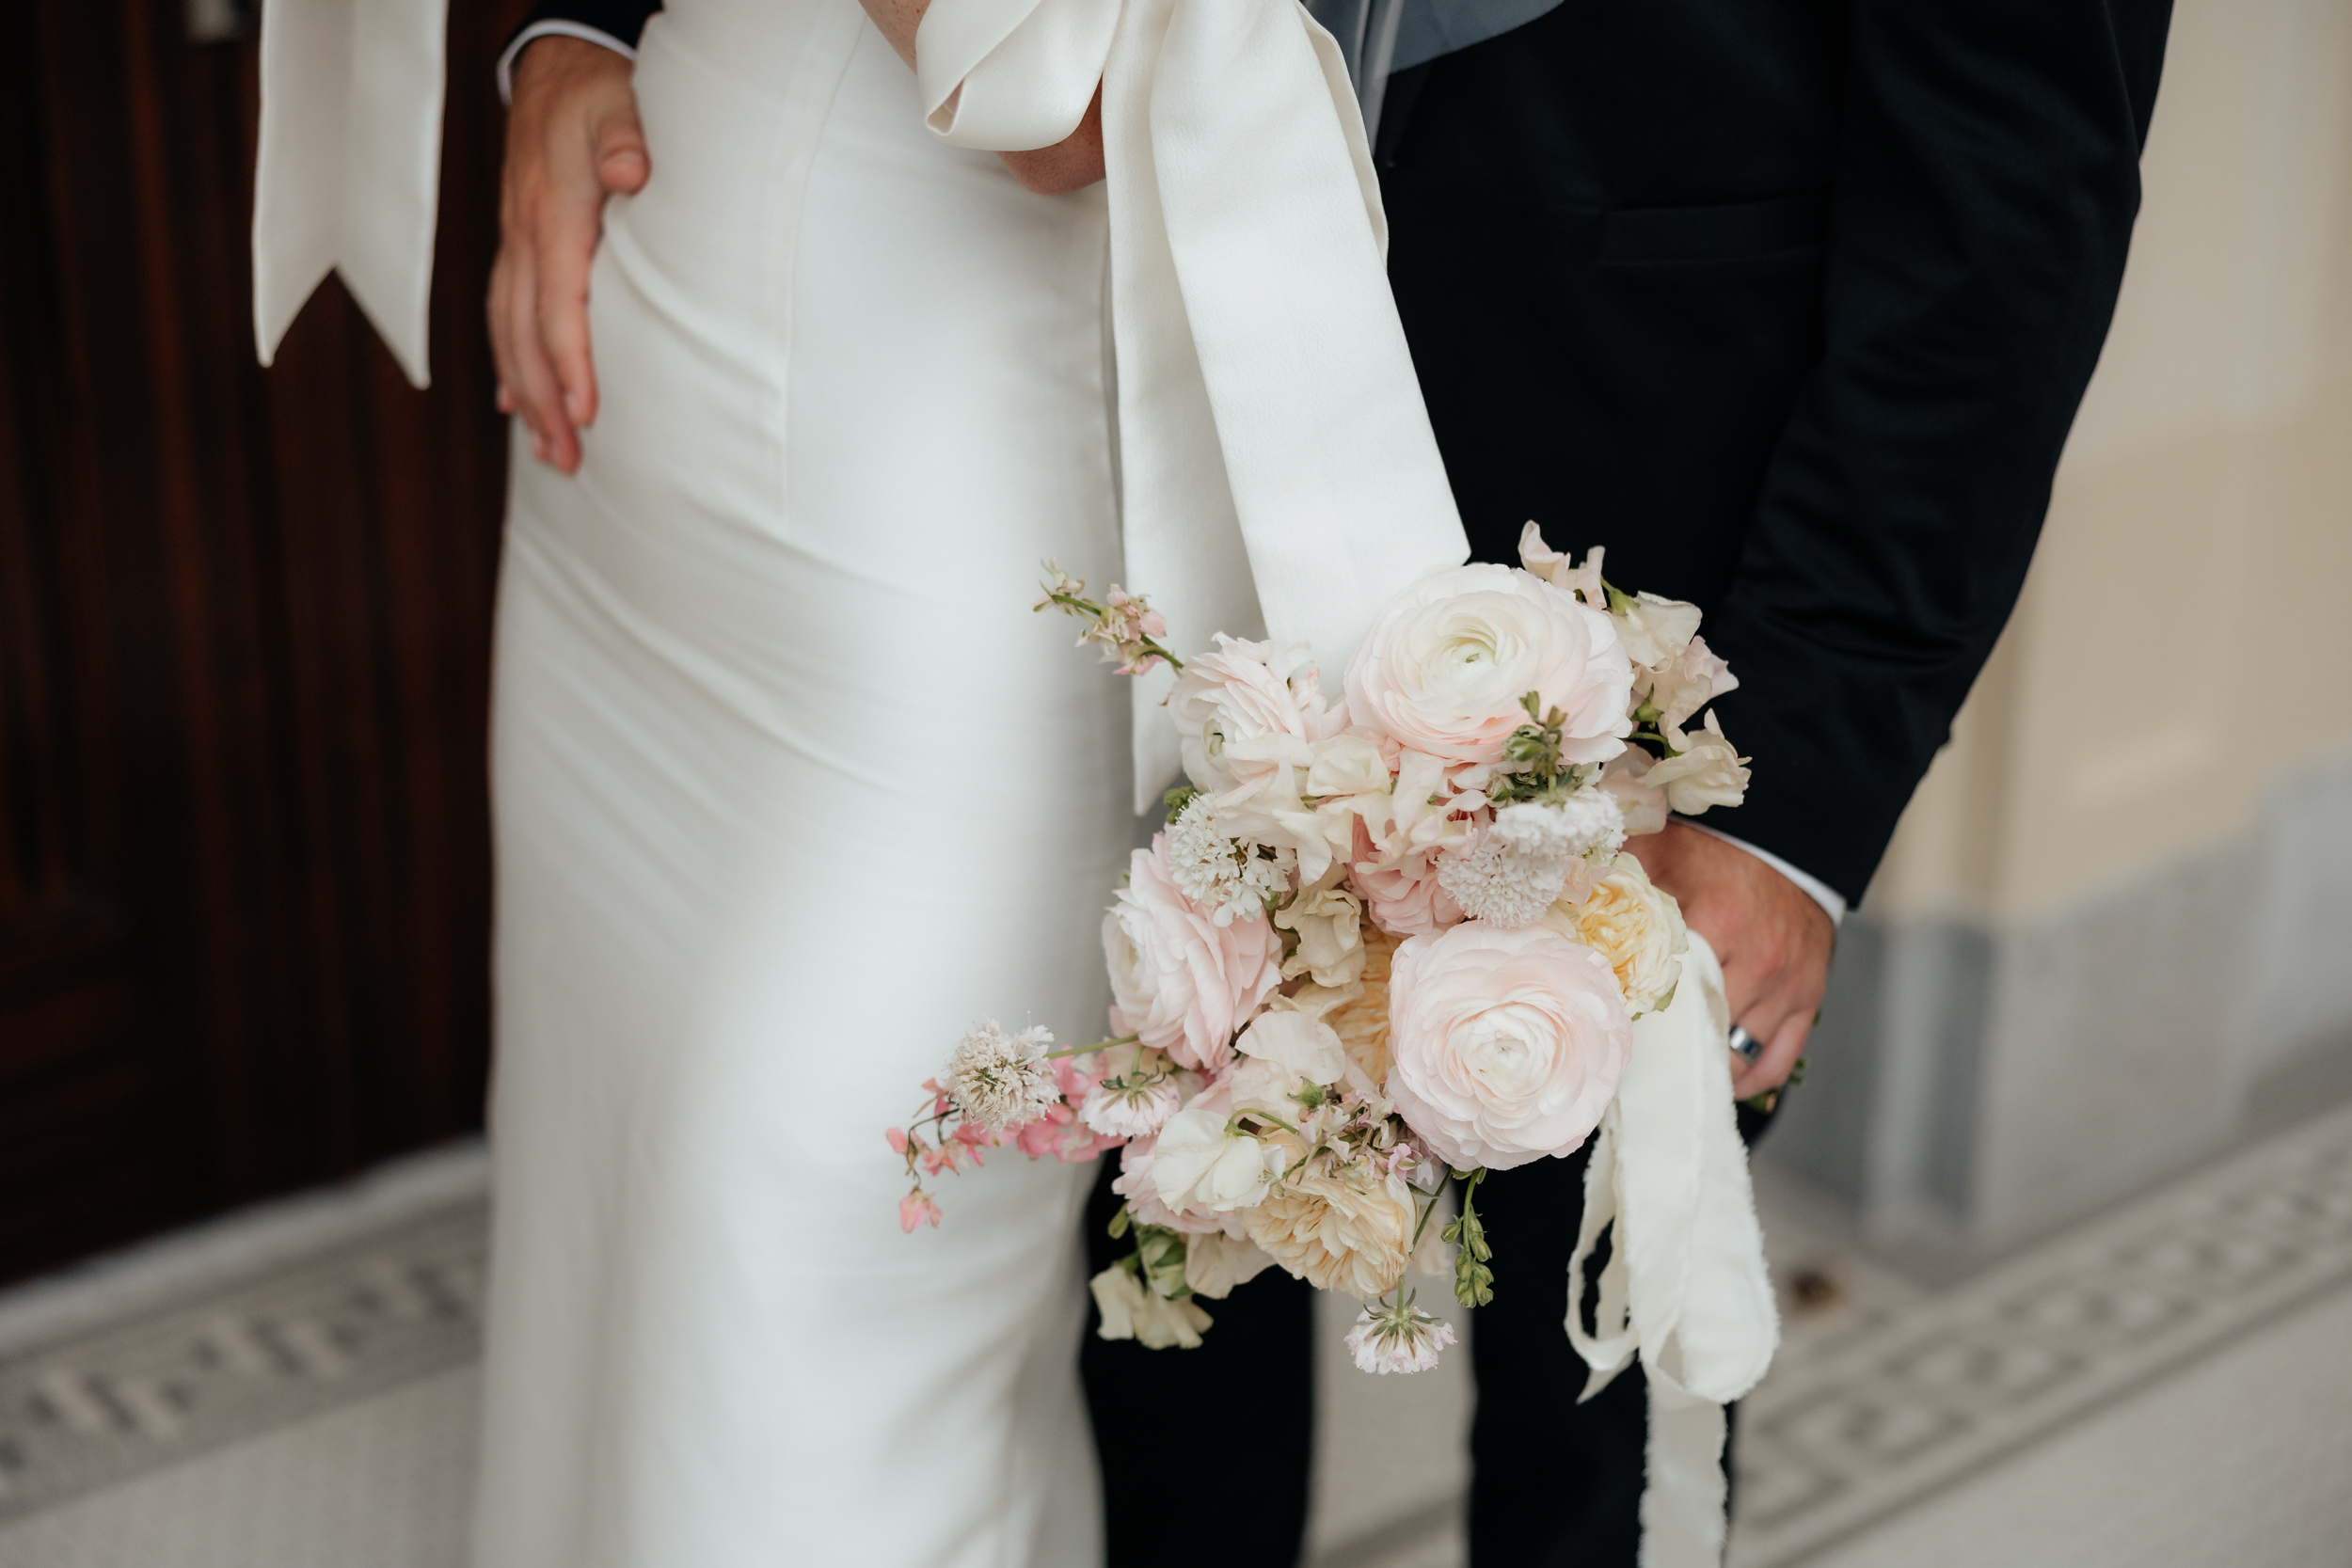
(1787, 303)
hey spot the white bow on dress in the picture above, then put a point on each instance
(1271, 430)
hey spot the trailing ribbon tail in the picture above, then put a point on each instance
(1276, 463)
(348, 176)
(1685, 1287)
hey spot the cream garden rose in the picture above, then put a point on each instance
(1633, 924)
(1179, 980)
(1346, 1229)
(1445, 667)
(1505, 1045)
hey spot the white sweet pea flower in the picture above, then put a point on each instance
(1654, 630)
(1215, 1263)
(1199, 1164)
(1684, 684)
(1300, 1043)
(1708, 772)
(1329, 924)
(1560, 570)
(1132, 1311)
(1641, 803)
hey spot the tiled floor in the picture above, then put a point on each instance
(2168, 1385)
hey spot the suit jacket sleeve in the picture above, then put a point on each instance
(1987, 179)
(623, 20)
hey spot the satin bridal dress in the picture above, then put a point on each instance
(791, 788)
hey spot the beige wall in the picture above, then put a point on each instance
(2186, 636)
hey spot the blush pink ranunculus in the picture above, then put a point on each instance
(1508, 1045)
(1443, 669)
(1179, 980)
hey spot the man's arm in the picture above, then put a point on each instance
(572, 140)
(1987, 180)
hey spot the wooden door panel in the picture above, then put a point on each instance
(244, 651)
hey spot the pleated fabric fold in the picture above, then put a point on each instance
(1278, 472)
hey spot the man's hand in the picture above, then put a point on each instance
(572, 139)
(1774, 941)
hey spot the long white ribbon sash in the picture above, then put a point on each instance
(1685, 1288)
(1271, 429)
(348, 176)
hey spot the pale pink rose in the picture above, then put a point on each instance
(1179, 980)
(1443, 669)
(1248, 717)
(1507, 1045)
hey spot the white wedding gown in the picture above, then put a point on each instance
(791, 787)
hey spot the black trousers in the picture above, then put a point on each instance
(1553, 1485)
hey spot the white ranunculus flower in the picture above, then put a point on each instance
(1708, 772)
(1508, 1045)
(1445, 667)
(1198, 1163)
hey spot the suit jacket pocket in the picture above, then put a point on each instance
(1788, 228)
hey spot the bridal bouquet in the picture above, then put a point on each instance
(1381, 942)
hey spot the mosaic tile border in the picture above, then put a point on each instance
(86, 1412)
(1909, 1400)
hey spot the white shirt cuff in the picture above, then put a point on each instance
(552, 30)
(1833, 903)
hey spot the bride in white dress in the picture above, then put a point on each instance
(791, 788)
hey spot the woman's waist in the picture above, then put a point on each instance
(762, 46)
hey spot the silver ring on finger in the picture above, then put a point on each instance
(1747, 1045)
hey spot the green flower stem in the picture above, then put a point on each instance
(1098, 1045)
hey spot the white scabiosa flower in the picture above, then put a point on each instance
(1511, 873)
(1001, 1080)
(1398, 1339)
(1225, 875)
(1135, 1106)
